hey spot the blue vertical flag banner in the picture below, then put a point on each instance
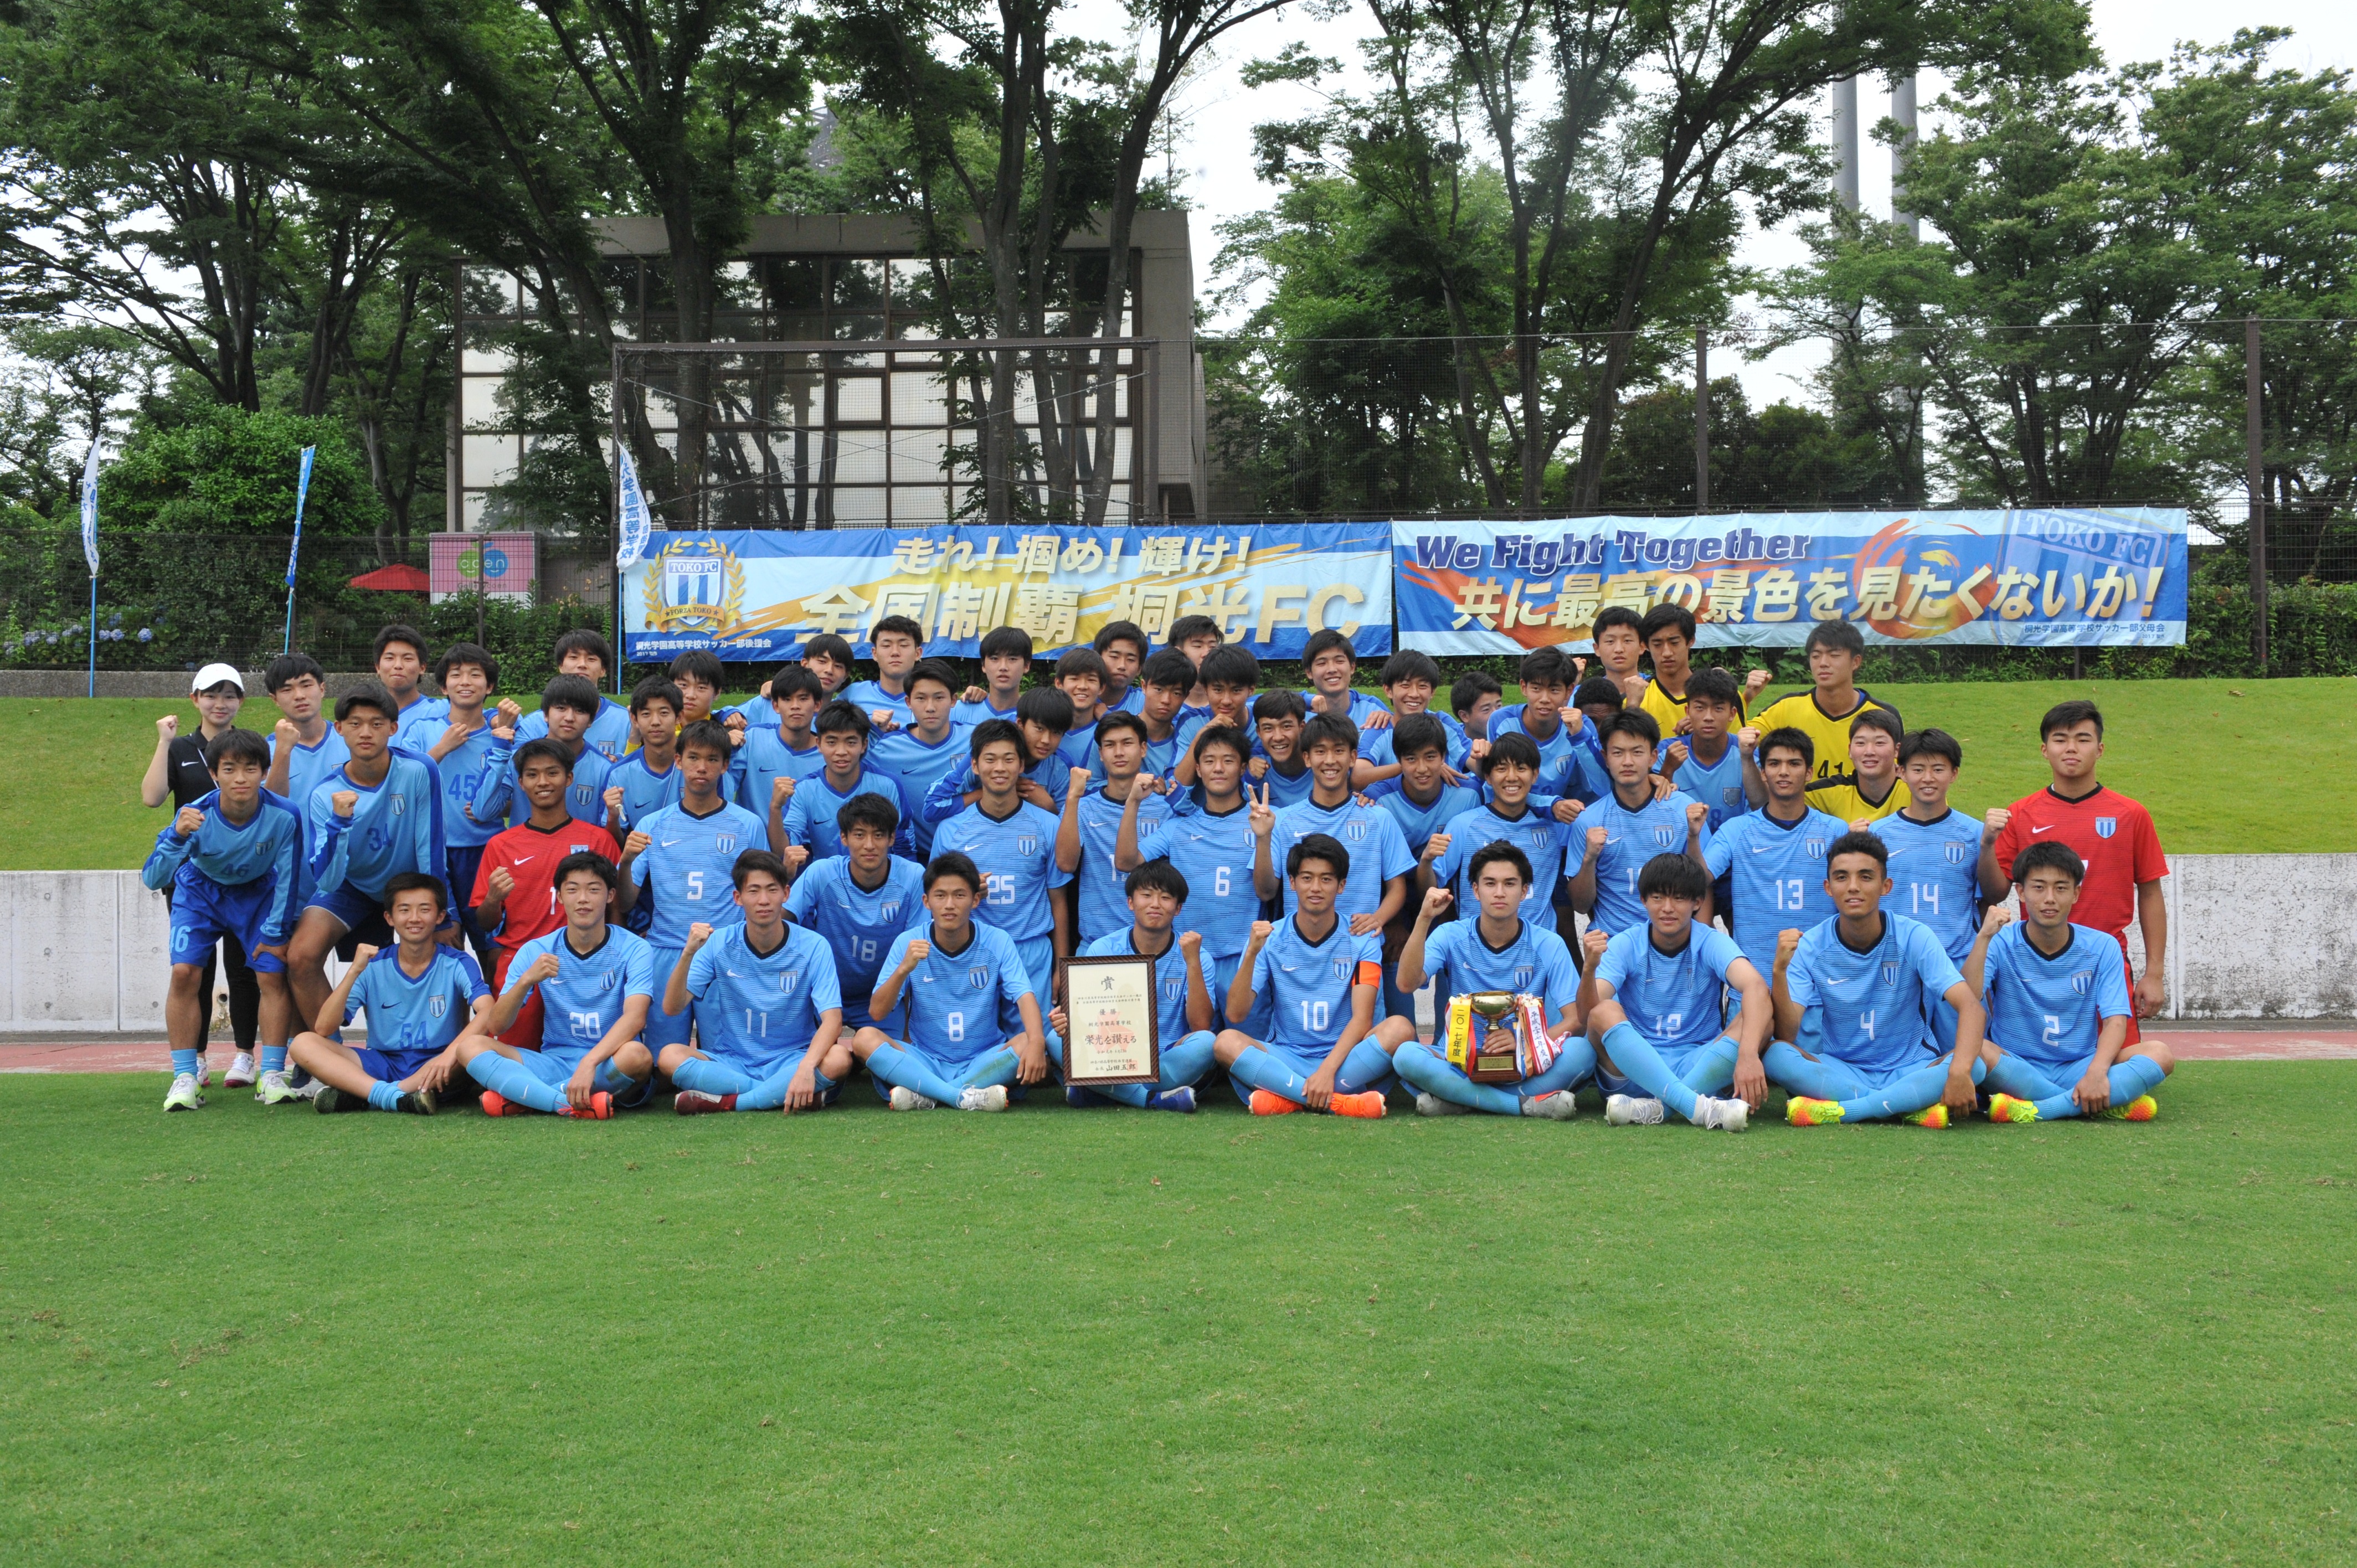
(89, 550)
(295, 550)
(631, 545)
(761, 596)
(2022, 576)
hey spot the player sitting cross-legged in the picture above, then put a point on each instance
(1182, 990)
(1659, 1016)
(768, 1011)
(419, 998)
(2057, 1005)
(595, 981)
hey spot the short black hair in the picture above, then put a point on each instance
(2049, 855)
(2070, 715)
(1858, 842)
(1231, 664)
(402, 882)
(1667, 617)
(1714, 685)
(1598, 693)
(757, 860)
(1791, 738)
(243, 745)
(1119, 720)
(1674, 875)
(1228, 735)
(1187, 627)
(576, 692)
(869, 810)
(289, 668)
(1326, 639)
(1169, 670)
(950, 862)
(1493, 852)
(540, 747)
(1837, 634)
(588, 860)
(1467, 693)
(699, 664)
(1006, 642)
(1408, 664)
(367, 695)
(1931, 742)
(1127, 632)
(581, 639)
(709, 734)
(1280, 703)
(828, 645)
(1882, 719)
(1548, 666)
(1517, 748)
(398, 632)
(1628, 721)
(932, 670)
(843, 717)
(1046, 707)
(1418, 733)
(1611, 615)
(655, 689)
(459, 653)
(1329, 729)
(989, 732)
(794, 679)
(1081, 661)
(1318, 846)
(901, 624)
(1158, 874)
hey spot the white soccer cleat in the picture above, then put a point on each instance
(1721, 1115)
(1632, 1111)
(183, 1095)
(1558, 1106)
(991, 1098)
(909, 1099)
(240, 1073)
(275, 1089)
(1433, 1105)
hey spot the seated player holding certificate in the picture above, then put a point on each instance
(1857, 1038)
(2057, 1005)
(967, 1020)
(1182, 993)
(1325, 1051)
(418, 998)
(1500, 950)
(1659, 1015)
(769, 1007)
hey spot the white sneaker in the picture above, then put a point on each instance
(204, 1073)
(183, 1095)
(909, 1099)
(1558, 1106)
(991, 1098)
(1433, 1105)
(1630, 1111)
(275, 1089)
(1721, 1115)
(240, 1071)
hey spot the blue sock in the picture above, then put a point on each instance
(383, 1096)
(705, 1075)
(1419, 1068)
(512, 1080)
(1260, 1070)
(1823, 1078)
(992, 1067)
(770, 1094)
(2130, 1077)
(1638, 1060)
(1711, 1070)
(2133, 1075)
(190, 1062)
(902, 1070)
(1906, 1094)
(273, 1058)
(1367, 1068)
(1184, 1064)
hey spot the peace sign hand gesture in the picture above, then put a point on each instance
(1262, 819)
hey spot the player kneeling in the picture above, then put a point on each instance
(1659, 1009)
(2057, 1005)
(968, 1018)
(596, 982)
(419, 998)
(768, 1007)
(1325, 1050)
(1182, 991)
(1498, 950)
(1855, 1022)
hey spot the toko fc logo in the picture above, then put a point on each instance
(695, 584)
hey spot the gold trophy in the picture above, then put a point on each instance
(1490, 1055)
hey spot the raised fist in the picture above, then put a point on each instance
(1754, 683)
(613, 796)
(1260, 931)
(188, 820)
(734, 720)
(1747, 738)
(781, 790)
(503, 882)
(1994, 824)
(697, 935)
(1567, 810)
(1698, 816)
(796, 856)
(1435, 846)
(362, 953)
(1593, 944)
(1993, 921)
(1678, 755)
(1191, 943)
(545, 967)
(636, 844)
(1079, 784)
(1436, 901)
(343, 801)
(1787, 943)
(168, 726)
(286, 732)
(1596, 837)
(918, 951)
(505, 717)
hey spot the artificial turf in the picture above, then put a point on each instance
(1115, 1337)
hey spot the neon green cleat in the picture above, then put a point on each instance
(2005, 1108)
(2143, 1107)
(1803, 1111)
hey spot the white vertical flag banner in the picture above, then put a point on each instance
(636, 524)
(90, 507)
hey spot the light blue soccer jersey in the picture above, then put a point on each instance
(646, 791)
(608, 733)
(1418, 821)
(1717, 785)
(1375, 745)
(1102, 904)
(462, 769)
(1676, 1000)
(1630, 839)
(499, 798)
(868, 696)
(687, 867)
(1170, 981)
(917, 765)
(582, 1001)
(764, 758)
(1284, 789)
(1214, 853)
(425, 710)
(1779, 875)
(1368, 834)
(856, 923)
(942, 801)
(1567, 765)
(395, 826)
(1309, 985)
(1544, 842)
(753, 1007)
(1131, 701)
(423, 1014)
(2050, 1010)
(1935, 875)
(1016, 857)
(1534, 962)
(971, 714)
(230, 854)
(809, 815)
(1363, 706)
(1079, 746)
(310, 764)
(958, 1005)
(1872, 1006)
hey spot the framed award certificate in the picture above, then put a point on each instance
(1113, 1025)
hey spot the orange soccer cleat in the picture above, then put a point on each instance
(1264, 1103)
(1368, 1103)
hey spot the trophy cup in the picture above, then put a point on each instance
(1491, 1053)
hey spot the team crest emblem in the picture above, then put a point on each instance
(892, 911)
(401, 808)
(2105, 826)
(695, 584)
(787, 980)
(1171, 989)
(1354, 831)
(1731, 795)
(1341, 969)
(1956, 853)
(608, 981)
(1814, 849)
(2081, 982)
(978, 977)
(1027, 844)
(1522, 977)
(724, 843)
(1662, 838)
(1890, 975)
(438, 1006)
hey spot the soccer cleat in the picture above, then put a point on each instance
(1433, 1105)
(240, 1071)
(183, 1095)
(494, 1103)
(1080, 1098)
(274, 1089)
(599, 1109)
(1182, 1100)
(909, 1099)
(333, 1101)
(696, 1102)
(1929, 1116)
(2005, 1108)
(2143, 1107)
(204, 1073)
(1560, 1105)
(417, 1103)
(1803, 1111)
(1264, 1103)
(1369, 1103)
(1721, 1115)
(1632, 1111)
(993, 1098)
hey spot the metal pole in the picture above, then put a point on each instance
(614, 528)
(1845, 143)
(1702, 419)
(93, 634)
(1902, 109)
(1150, 437)
(2254, 460)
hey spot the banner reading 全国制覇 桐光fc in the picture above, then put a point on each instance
(2053, 577)
(753, 596)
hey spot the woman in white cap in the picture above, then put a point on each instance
(178, 773)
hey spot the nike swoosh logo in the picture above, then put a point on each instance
(2048, 828)
(1762, 849)
(668, 842)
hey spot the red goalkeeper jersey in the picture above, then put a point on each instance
(530, 855)
(2112, 834)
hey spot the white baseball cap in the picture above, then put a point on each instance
(212, 675)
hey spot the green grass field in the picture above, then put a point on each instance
(1057, 1337)
(2200, 753)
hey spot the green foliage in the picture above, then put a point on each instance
(1780, 456)
(229, 472)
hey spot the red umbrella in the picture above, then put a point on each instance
(397, 578)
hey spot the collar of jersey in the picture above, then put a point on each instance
(2075, 800)
(1292, 922)
(972, 935)
(565, 939)
(1513, 941)
(1883, 916)
(786, 935)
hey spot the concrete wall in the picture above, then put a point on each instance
(2251, 936)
